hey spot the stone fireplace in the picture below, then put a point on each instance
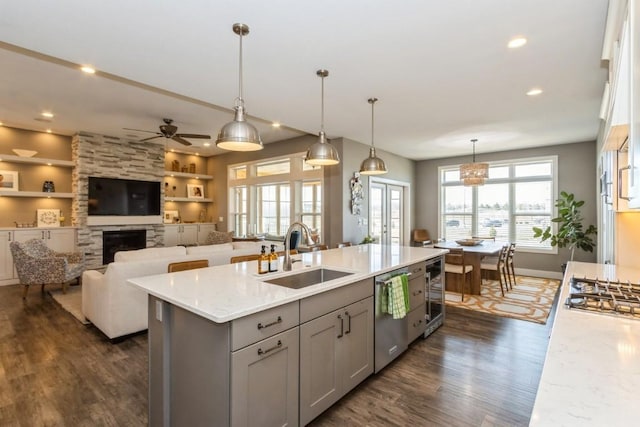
(104, 156)
(121, 240)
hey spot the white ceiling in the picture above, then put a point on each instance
(441, 69)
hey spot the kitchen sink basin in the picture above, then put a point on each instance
(308, 278)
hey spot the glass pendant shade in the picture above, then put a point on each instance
(372, 165)
(474, 173)
(322, 153)
(239, 135)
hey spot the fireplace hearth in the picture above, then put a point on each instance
(121, 240)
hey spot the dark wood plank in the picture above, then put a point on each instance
(477, 370)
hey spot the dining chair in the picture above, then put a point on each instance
(456, 270)
(421, 237)
(343, 244)
(499, 265)
(511, 270)
(243, 258)
(187, 265)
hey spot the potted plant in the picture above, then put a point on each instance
(571, 233)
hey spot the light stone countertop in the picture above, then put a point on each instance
(591, 374)
(227, 292)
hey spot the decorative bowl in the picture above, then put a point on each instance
(24, 153)
(469, 242)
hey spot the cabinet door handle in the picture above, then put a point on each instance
(348, 322)
(49, 234)
(42, 234)
(620, 196)
(278, 320)
(263, 352)
(341, 326)
(418, 292)
(418, 323)
(10, 236)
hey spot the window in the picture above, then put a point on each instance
(517, 196)
(266, 196)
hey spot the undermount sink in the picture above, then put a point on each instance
(308, 278)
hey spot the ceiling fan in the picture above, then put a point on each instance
(170, 131)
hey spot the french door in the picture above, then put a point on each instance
(386, 213)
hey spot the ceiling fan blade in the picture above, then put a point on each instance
(151, 137)
(180, 140)
(193, 135)
(140, 130)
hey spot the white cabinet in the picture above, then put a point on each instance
(6, 261)
(203, 232)
(187, 234)
(180, 234)
(336, 354)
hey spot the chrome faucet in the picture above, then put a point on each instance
(288, 262)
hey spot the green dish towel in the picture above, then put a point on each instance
(395, 296)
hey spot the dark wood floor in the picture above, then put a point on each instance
(477, 370)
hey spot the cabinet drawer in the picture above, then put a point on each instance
(251, 329)
(416, 291)
(320, 304)
(416, 323)
(417, 269)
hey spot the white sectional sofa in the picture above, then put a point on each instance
(119, 309)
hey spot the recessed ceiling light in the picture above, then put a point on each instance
(275, 124)
(47, 114)
(207, 144)
(1, 124)
(516, 42)
(48, 130)
(197, 154)
(88, 69)
(534, 92)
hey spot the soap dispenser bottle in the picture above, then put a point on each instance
(263, 261)
(273, 259)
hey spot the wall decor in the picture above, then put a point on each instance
(48, 217)
(356, 194)
(195, 191)
(171, 217)
(192, 168)
(9, 180)
(175, 166)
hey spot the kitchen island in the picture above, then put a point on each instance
(228, 348)
(591, 373)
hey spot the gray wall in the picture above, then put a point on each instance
(576, 174)
(340, 225)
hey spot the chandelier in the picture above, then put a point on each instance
(474, 173)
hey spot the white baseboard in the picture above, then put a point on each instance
(539, 273)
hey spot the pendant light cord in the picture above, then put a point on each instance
(322, 105)
(474, 150)
(372, 104)
(240, 100)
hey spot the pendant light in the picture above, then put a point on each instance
(322, 153)
(239, 135)
(372, 165)
(474, 173)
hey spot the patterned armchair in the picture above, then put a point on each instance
(39, 265)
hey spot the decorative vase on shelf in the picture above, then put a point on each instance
(48, 187)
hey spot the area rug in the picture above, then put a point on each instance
(71, 301)
(531, 299)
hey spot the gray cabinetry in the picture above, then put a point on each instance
(196, 377)
(336, 348)
(416, 318)
(264, 382)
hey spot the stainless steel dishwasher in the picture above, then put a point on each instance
(391, 335)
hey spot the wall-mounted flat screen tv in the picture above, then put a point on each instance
(123, 197)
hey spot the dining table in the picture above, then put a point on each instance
(473, 256)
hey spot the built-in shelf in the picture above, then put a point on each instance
(187, 175)
(53, 195)
(36, 161)
(187, 199)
